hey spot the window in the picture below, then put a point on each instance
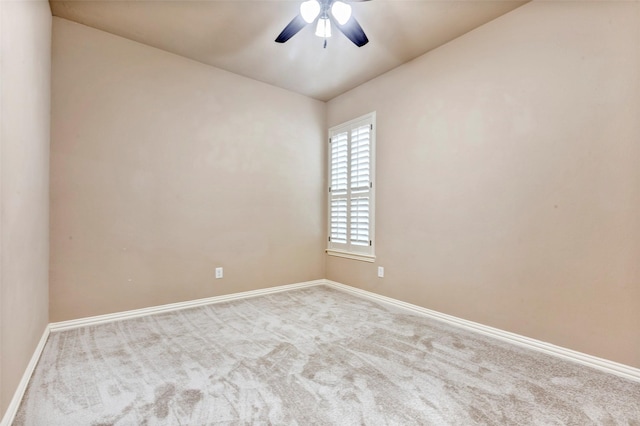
(351, 189)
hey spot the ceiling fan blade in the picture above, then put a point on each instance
(291, 29)
(353, 31)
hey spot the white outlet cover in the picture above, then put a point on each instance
(219, 272)
(380, 271)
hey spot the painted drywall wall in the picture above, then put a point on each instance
(163, 169)
(25, 75)
(508, 181)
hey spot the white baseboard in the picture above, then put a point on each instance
(118, 316)
(12, 409)
(601, 364)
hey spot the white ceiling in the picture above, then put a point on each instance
(238, 35)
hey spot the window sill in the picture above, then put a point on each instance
(349, 255)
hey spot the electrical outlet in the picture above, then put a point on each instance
(380, 271)
(219, 273)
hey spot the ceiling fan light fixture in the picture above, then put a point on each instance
(323, 29)
(341, 11)
(309, 10)
(325, 11)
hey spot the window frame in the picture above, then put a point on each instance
(349, 250)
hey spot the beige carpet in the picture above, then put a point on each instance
(310, 356)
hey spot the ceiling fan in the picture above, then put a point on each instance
(326, 12)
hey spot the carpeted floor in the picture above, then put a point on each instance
(310, 356)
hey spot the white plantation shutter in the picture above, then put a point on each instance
(360, 221)
(338, 185)
(339, 220)
(351, 174)
(360, 157)
(360, 184)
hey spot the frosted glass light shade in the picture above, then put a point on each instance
(324, 28)
(309, 10)
(341, 11)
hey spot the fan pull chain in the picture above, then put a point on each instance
(325, 43)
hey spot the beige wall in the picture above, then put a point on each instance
(508, 178)
(25, 75)
(164, 168)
